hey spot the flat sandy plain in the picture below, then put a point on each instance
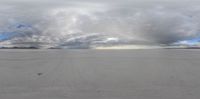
(100, 74)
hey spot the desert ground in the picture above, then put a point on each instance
(100, 74)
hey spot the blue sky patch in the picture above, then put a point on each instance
(189, 42)
(6, 36)
(10, 35)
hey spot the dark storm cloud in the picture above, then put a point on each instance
(61, 22)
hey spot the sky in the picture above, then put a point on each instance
(94, 23)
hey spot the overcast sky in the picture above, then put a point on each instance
(68, 22)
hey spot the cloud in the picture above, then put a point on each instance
(98, 23)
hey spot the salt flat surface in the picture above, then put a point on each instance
(100, 74)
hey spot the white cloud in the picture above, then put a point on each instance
(131, 22)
